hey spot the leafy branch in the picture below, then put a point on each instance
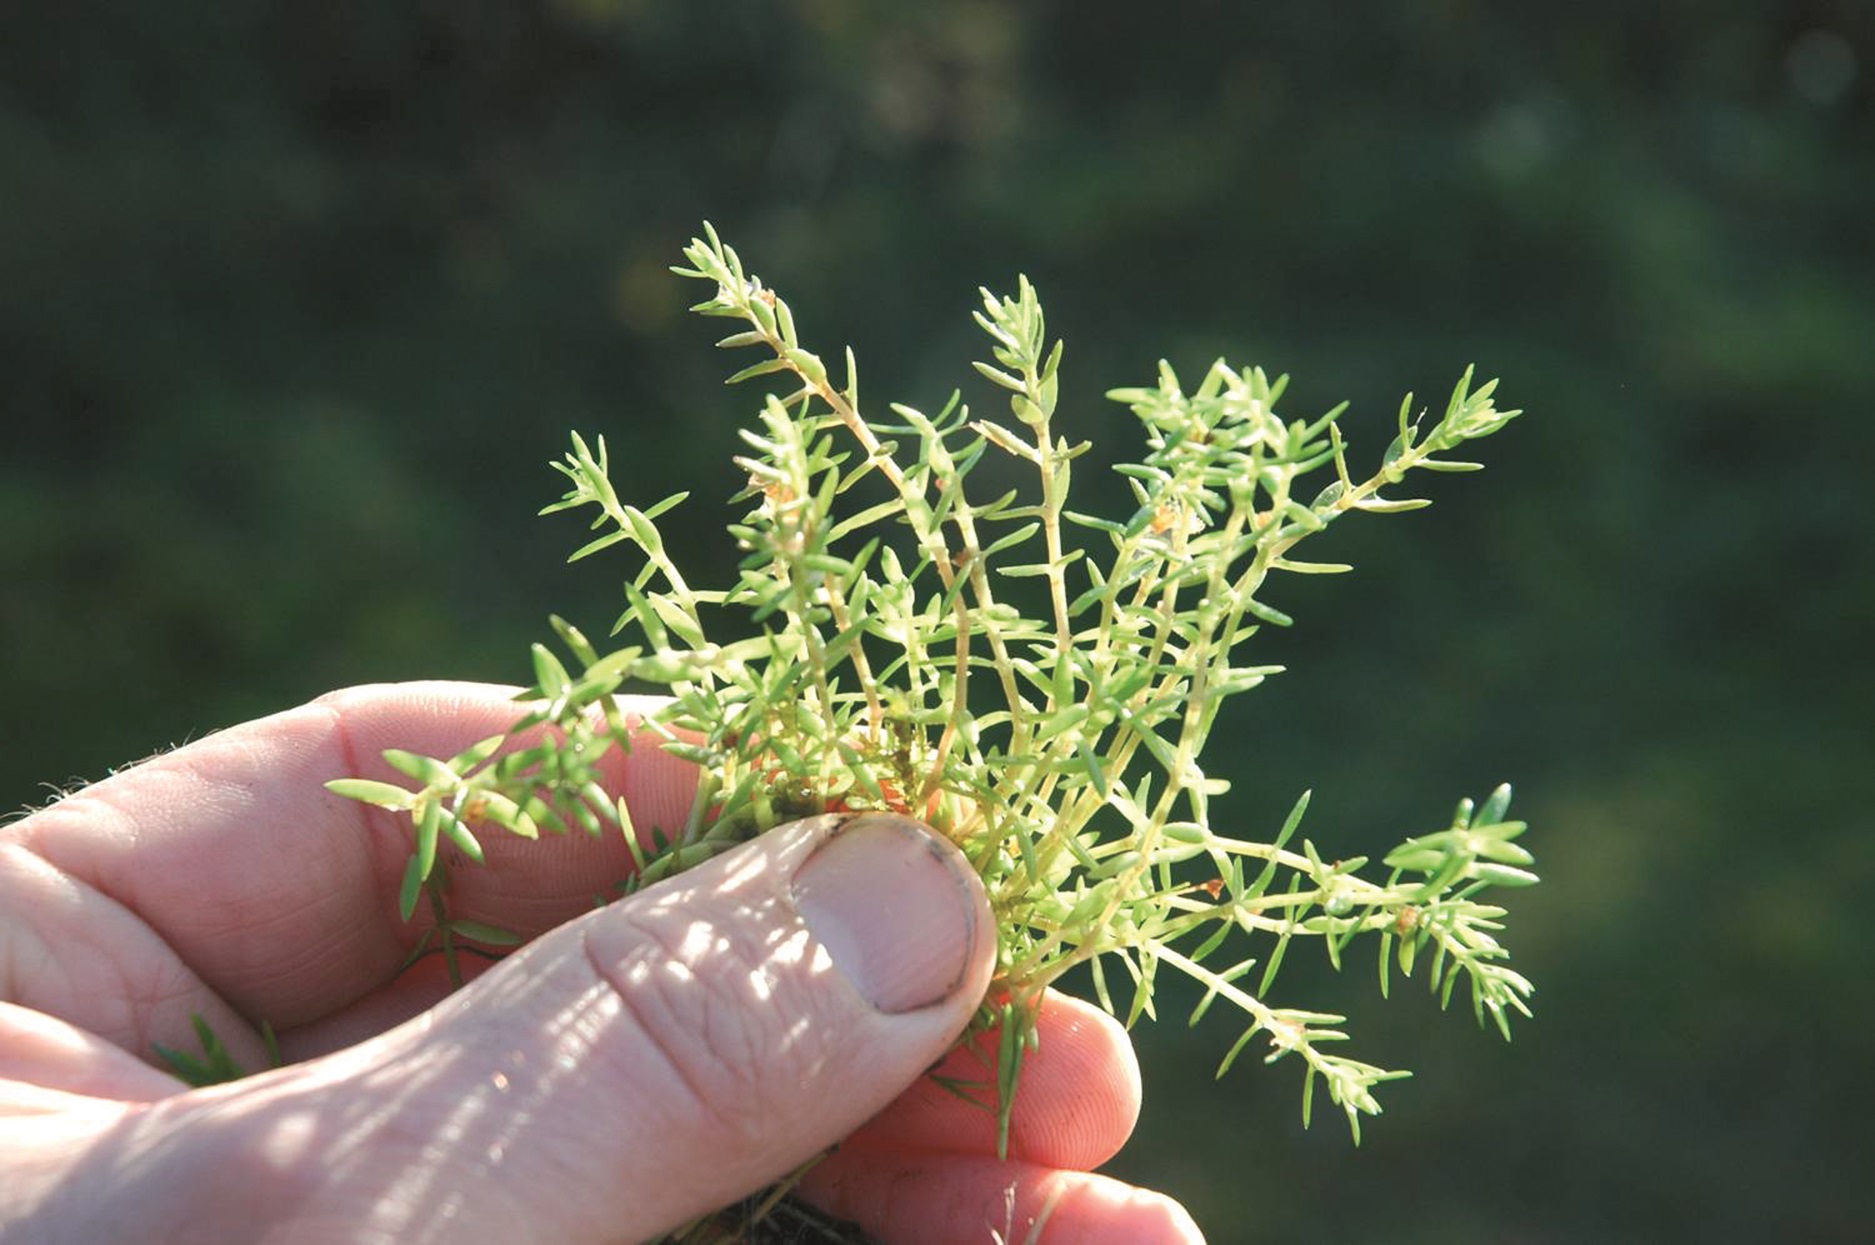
(1036, 682)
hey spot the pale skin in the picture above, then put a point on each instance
(629, 1069)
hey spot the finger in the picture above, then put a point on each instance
(1075, 1106)
(44, 1052)
(412, 992)
(626, 1072)
(941, 1199)
(223, 879)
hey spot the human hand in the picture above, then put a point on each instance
(628, 1069)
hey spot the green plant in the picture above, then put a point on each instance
(1036, 683)
(216, 1064)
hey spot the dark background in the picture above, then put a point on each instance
(298, 299)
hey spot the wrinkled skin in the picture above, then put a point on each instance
(630, 1068)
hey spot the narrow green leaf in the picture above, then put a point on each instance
(1381, 505)
(411, 888)
(1310, 568)
(594, 546)
(1276, 960)
(550, 677)
(764, 368)
(423, 769)
(1101, 993)
(1236, 1049)
(429, 825)
(382, 794)
(1268, 613)
(1495, 806)
(1000, 377)
(466, 760)
(187, 1069)
(460, 835)
(1503, 875)
(492, 935)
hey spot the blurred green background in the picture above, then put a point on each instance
(298, 299)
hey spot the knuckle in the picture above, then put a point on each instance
(714, 1032)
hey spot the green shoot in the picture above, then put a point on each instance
(1036, 682)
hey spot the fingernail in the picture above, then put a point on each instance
(895, 909)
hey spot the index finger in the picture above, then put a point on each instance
(224, 874)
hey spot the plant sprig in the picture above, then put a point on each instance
(216, 1064)
(1037, 683)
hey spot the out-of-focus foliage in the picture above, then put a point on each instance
(297, 301)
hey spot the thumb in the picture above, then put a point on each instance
(631, 1070)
